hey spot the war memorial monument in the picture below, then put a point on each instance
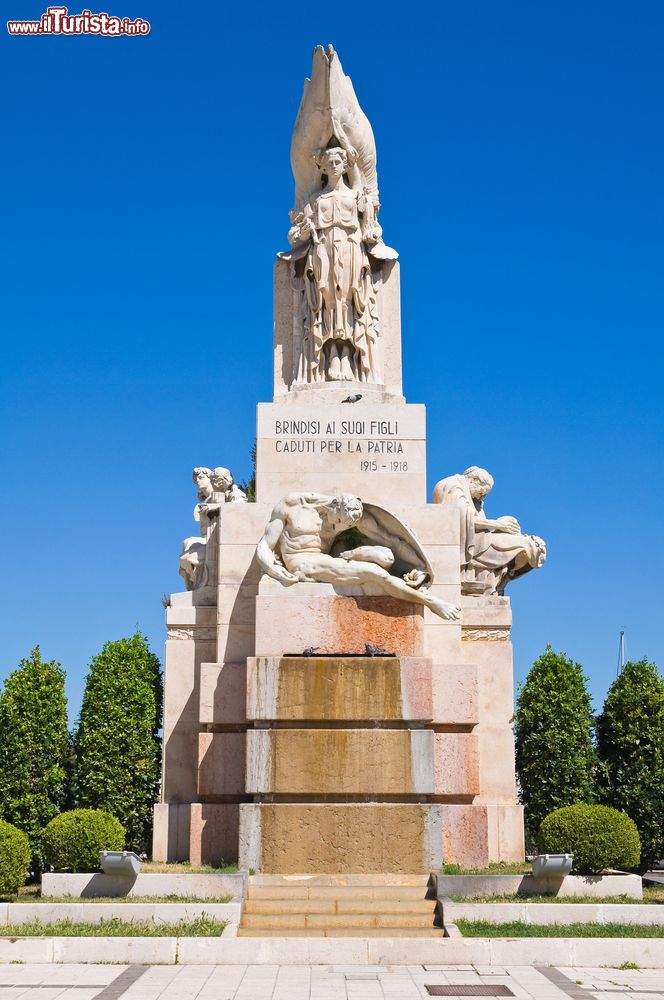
(338, 679)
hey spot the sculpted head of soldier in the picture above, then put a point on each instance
(221, 479)
(345, 511)
(480, 482)
(202, 477)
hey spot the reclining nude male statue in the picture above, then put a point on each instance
(298, 546)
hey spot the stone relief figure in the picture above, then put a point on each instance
(198, 558)
(493, 552)
(304, 543)
(335, 234)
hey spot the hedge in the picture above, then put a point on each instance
(599, 838)
(74, 839)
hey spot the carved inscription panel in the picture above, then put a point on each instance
(364, 449)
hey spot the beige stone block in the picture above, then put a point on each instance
(179, 614)
(505, 832)
(434, 524)
(340, 761)
(237, 620)
(454, 688)
(330, 837)
(235, 643)
(442, 645)
(339, 689)
(495, 681)
(221, 763)
(214, 833)
(389, 304)
(180, 761)
(201, 598)
(444, 561)
(181, 678)
(465, 835)
(223, 693)
(497, 777)
(170, 837)
(243, 523)
(457, 765)
(384, 491)
(289, 624)
(238, 565)
(236, 603)
(486, 612)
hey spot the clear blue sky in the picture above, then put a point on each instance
(145, 190)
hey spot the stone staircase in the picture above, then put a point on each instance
(338, 906)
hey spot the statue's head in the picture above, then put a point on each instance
(202, 477)
(480, 482)
(333, 162)
(345, 510)
(221, 479)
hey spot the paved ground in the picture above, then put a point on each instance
(269, 982)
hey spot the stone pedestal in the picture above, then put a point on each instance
(355, 797)
(444, 701)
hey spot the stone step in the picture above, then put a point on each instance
(366, 892)
(392, 879)
(329, 920)
(424, 906)
(336, 932)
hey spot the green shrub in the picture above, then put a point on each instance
(630, 743)
(74, 839)
(33, 748)
(117, 742)
(599, 838)
(14, 858)
(555, 758)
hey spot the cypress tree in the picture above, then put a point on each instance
(555, 757)
(117, 743)
(630, 744)
(33, 748)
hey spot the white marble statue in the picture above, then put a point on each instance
(301, 544)
(198, 559)
(493, 552)
(335, 234)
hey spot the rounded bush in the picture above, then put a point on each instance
(14, 858)
(74, 839)
(599, 838)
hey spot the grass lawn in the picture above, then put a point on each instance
(204, 926)
(118, 899)
(495, 868)
(184, 868)
(485, 928)
(32, 894)
(651, 895)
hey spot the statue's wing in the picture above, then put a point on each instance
(408, 553)
(329, 101)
